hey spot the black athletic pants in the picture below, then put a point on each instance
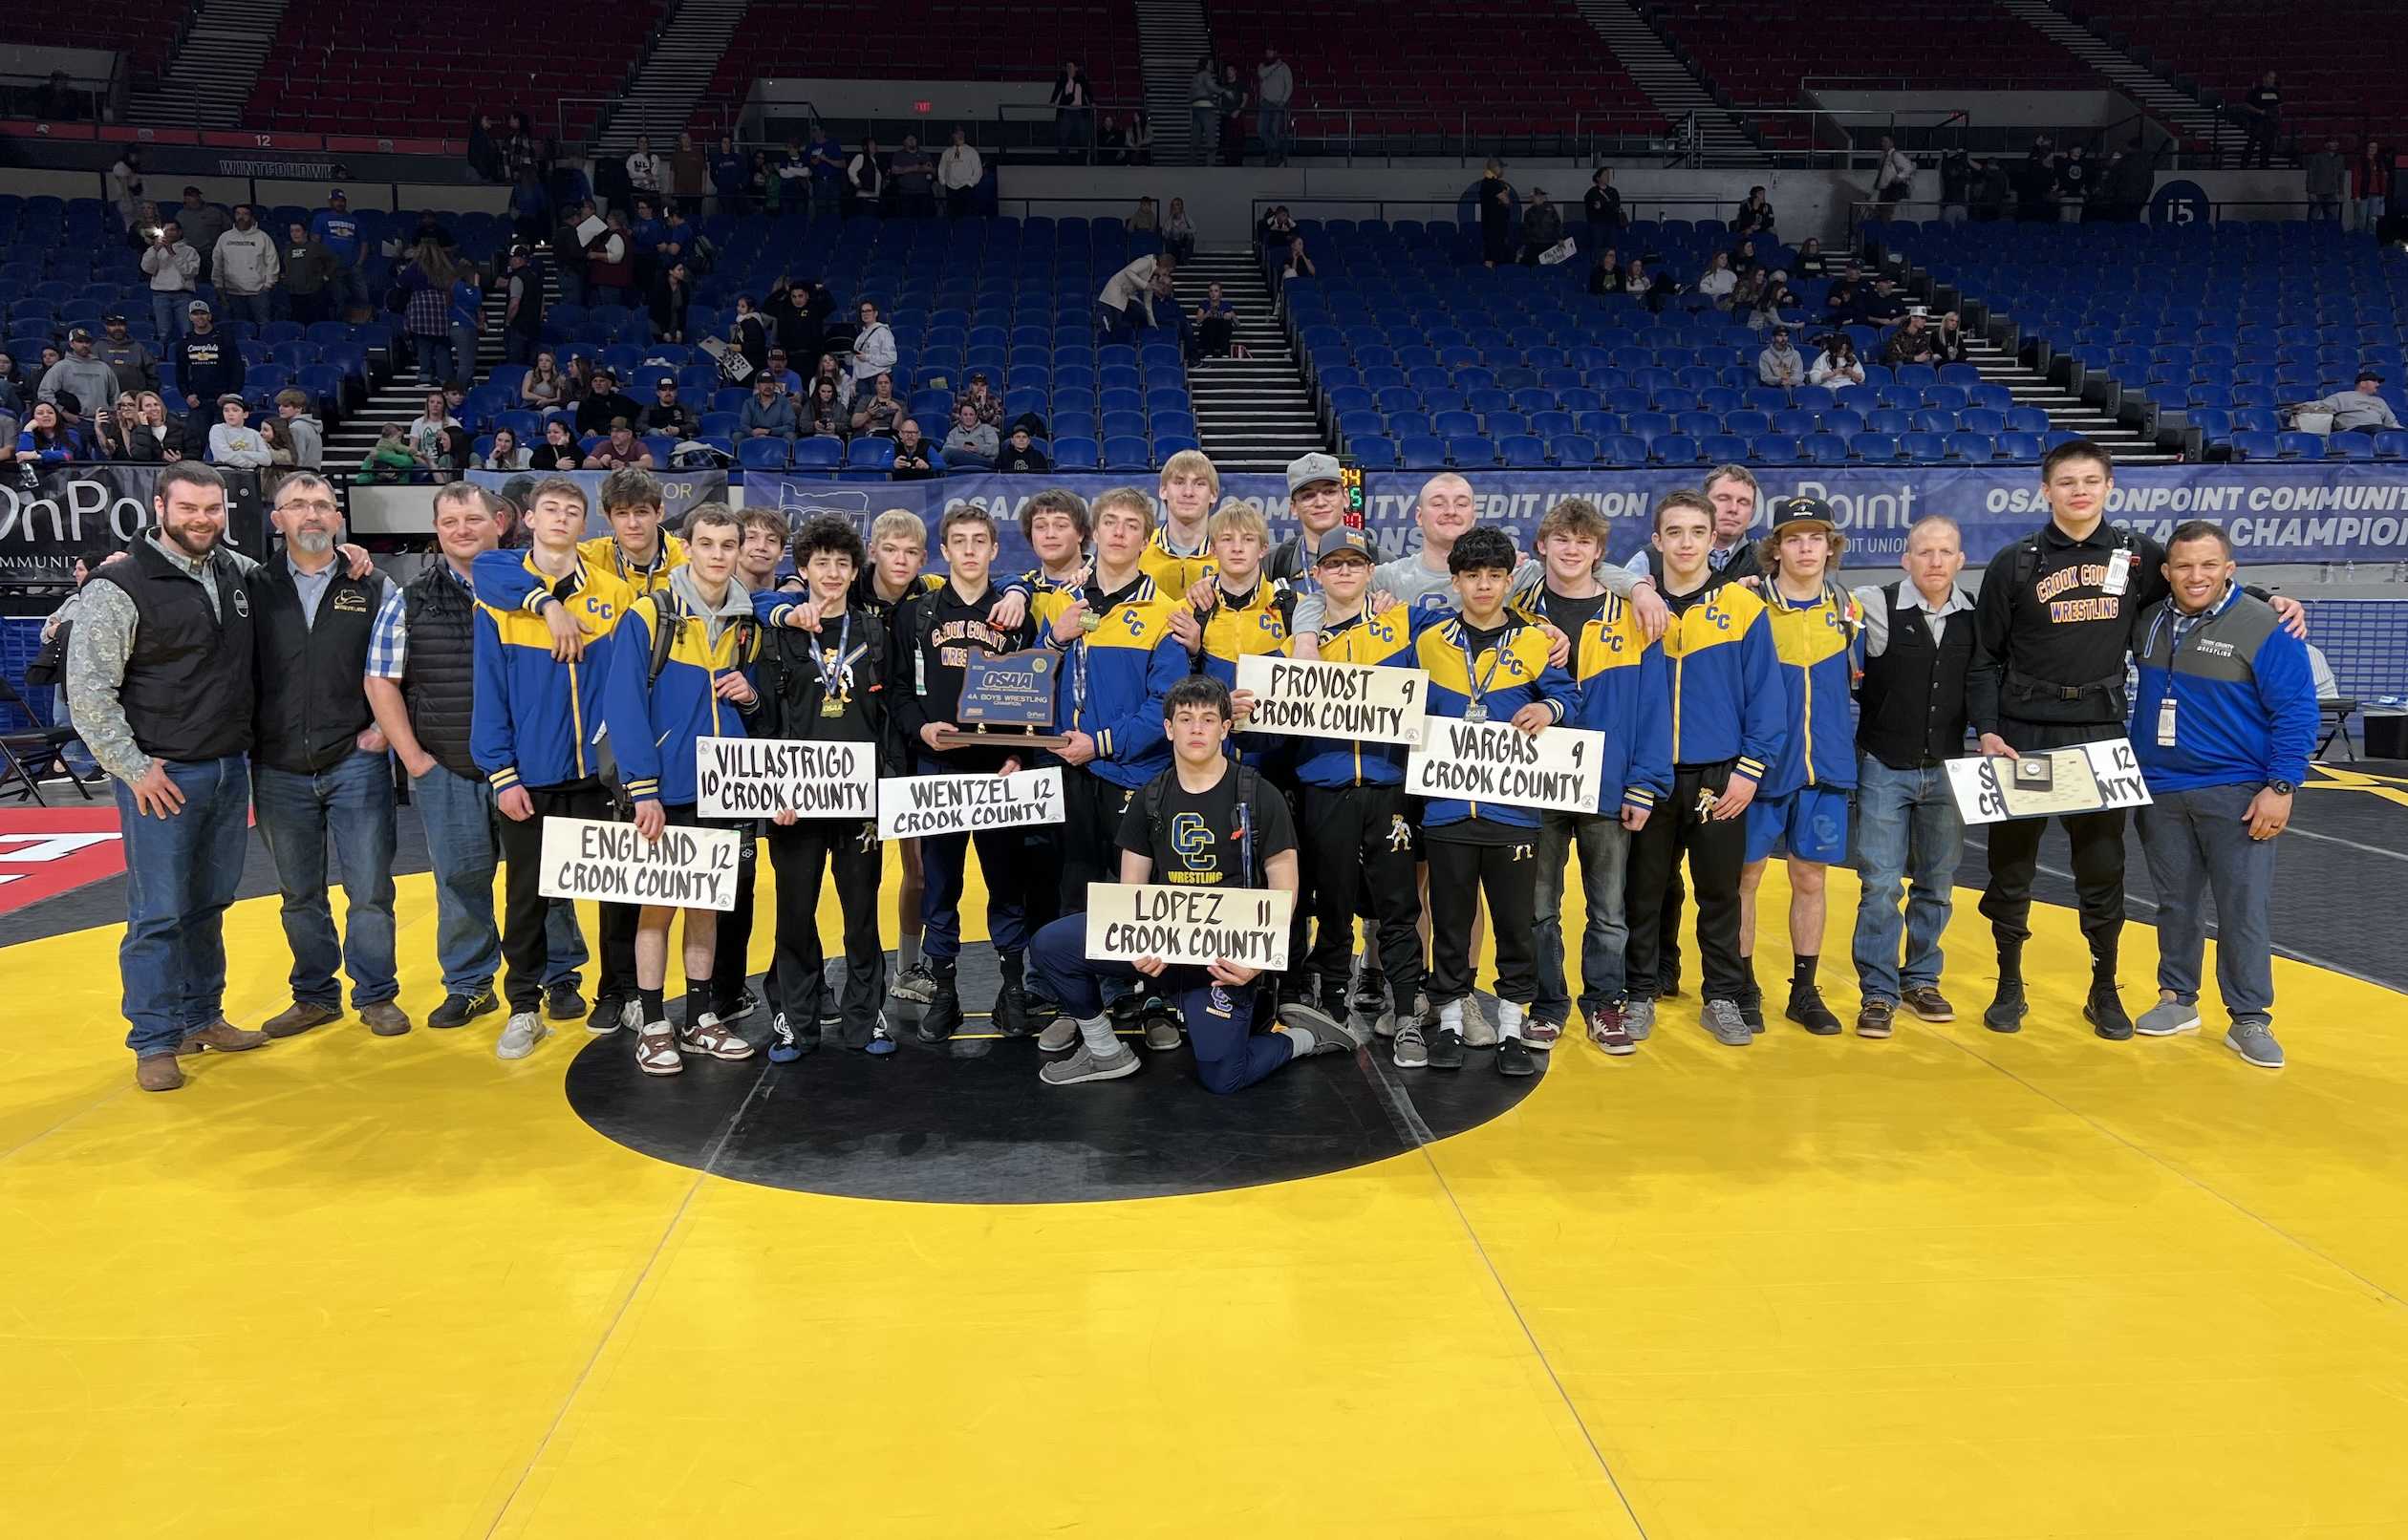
(1459, 872)
(1716, 850)
(526, 911)
(1088, 838)
(1356, 844)
(803, 854)
(733, 963)
(2098, 855)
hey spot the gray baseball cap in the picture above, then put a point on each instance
(1306, 469)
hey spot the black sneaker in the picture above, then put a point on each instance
(561, 1002)
(942, 1015)
(742, 1004)
(610, 1012)
(1669, 985)
(1806, 1008)
(1162, 1024)
(2105, 1012)
(1371, 995)
(1010, 1015)
(1446, 1048)
(458, 1010)
(1751, 1009)
(2006, 1013)
(1514, 1058)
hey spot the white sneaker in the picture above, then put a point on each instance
(1479, 1031)
(520, 1036)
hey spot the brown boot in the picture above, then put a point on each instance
(159, 1072)
(221, 1037)
(384, 1018)
(299, 1019)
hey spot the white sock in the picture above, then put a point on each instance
(907, 952)
(1300, 1042)
(1096, 1033)
(1509, 1019)
(1450, 1017)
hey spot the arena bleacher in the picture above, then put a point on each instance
(2338, 64)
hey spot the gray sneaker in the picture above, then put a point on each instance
(1060, 1033)
(1639, 1020)
(1408, 1050)
(915, 984)
(1729, 1027)
(520, 1036)
(2167, 1018)
(2254, 1040)
(1479, 1031)
(1329, 1035)
(1085, 1065)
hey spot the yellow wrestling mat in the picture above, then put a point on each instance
(1950, 1285)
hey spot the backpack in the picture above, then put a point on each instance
(2028, 554)
(664, 639)
(1157, 794)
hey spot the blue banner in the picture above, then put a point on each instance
(2309, 512)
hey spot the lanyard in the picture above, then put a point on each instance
(1477, 711)
(834, 664)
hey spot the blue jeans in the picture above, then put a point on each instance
(435, 358)
(1271, 123)
(1906, 829)
(78, 759)
(463, 846)
(1604, 847)
(2198, 845)
(463, 349)
(348, 289)
(171, 313)
(181, 873)
(1230, 1055)
(351, 801)
(252, 307)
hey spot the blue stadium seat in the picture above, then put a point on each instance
(1470, 450)
(1523, 451)
(1078, 453)
(1875, 448)
(1923, 448)
(2303, 447)
(762, 454)
(2019, 448)
(1375, 454)
(1721, 448)
(1128, 453)
(1674, 449)
(1422, 451)
(816, 453)
(1974, 448)
(1824, 449)
(1890, 420)
(1696, 424)
(2392, 443)
(1456, 425)
(2256, 445)
(1622, 449)
(1574, 449)
(1773, 449)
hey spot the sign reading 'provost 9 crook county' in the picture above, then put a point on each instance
(1349, 702)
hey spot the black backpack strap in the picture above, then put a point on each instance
(665, 637)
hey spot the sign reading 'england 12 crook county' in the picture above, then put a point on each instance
(1341, 701)
(2085, 779)
(910, 806)
(1499, 762)
(612, 863)
(1192, 926)
(757, 777)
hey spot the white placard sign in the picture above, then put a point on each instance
(1497, 763)
(1246, 926)
(684, 869)
(2084, 778)
(910, 806)
(756, 776)
(1298, 699)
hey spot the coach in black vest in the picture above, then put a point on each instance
(320, 775)
(1911, 718)
(160, 676)
(421, 684)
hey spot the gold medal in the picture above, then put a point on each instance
(834, 706)
(1090, 622)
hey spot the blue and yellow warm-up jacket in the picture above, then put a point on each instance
(1623, 690)
(1381, 640)
(1522, 674)
(1115, 677)
(514, 587)
(1173, 573)
(1726, 688)
(653, 723)
(1260, 628)
(535, 720)
(1817, 642)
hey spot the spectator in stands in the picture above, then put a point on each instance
(667, 415)
(800, 311)
(1275, 87)
(1893, 178)
(484, 156)
(338, 232)
(174, 269)
(749, 332)
(83, 374)
(12, 387)
(981, 399)
(825, 162)
(731, 178)
(914, 177)
(569, 252)
(203, 222)
(1717, 282)
(2360, 409)
(1755, 216)
(912, 462)
(829, 371)
(789, 383)
(507, 454)
(1837, 367)
(530, 207)
(1948, 342)
(463, 317)
(234, 441)
(208, 362)
(611, 263)
(1882, 304)
(125, 187)
(2265, 118)
(2073, 184)
(2130, 177)
(877, 413)
(1603, 205)
(389, 459)
(1644, 285)
(1216, 327)
(958, 171)
(1140, 283)
(1497, 215)
(1992, 191)
(542, 388)
(245, 267)
(112, 428)
(1605, 276)
(688, 175)
(1297, 264)
(1748, 296)
(161, 436)
(644, 168)
(1204, 108)
(1178, 232)
(604, 404)
(1910, 344)
(2369, 186)
(1145, 219)
(559, 451)
(1777, 306)
(309, 434)
(1542, 226)
(874, 349)
(864, 181)
(432, 419)
(1020, 453)
(522, 307)
(1136, 141)
(281, 451)
(1074, 111)
(1276, 230)
(823, 414)
(970, 437)
(768, 413)
(622, 450)
(1956, 185)
(2328, 173)
(645, 232)
(45, 436)
(1743, 258)
(672, 297)
(1233, 98)
(426, 278)
(1780, 364)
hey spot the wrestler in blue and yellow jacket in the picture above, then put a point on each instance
(1726, 686)
(1258, 624)
(1818, 643)
(1115, 677)
(653, 723)
(535, 720)
(1173, 573)
(1513, 674)
(1385, 639)
(512, 588)
(1624, 691)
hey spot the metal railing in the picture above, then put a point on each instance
(1463, 212)
(1865, 215)
(1347, 136)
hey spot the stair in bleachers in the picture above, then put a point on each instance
(2178, 110)
(2066, 411)
(401, 397)
(1670, 84)
(1172, 36)
(1251, 414)
(210, 80)
(671, 81)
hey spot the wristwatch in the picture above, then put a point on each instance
(2280, 788)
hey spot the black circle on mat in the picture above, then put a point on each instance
(970, 1122)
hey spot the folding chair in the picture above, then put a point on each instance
(37, 749)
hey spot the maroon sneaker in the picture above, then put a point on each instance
(1609, 1030)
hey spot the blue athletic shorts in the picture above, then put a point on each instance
(1810, 824)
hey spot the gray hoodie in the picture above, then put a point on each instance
(309, 440)
(92, 383)
(733, 605)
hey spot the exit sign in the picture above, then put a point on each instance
(919, 106)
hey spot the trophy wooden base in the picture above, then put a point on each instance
(999, 737)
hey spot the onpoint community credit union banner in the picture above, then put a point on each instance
(2312, 512)
(48, 516)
